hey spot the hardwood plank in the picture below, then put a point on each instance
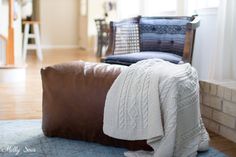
(222, 144)
(23, 99)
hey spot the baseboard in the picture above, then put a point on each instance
(11, 74)
(15, 66)
(60, 46)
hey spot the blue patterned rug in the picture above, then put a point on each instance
(25, 138)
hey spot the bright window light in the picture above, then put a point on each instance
(128, 8)
(207, 3)
(200, 4)
(131, 8)
(156, 7)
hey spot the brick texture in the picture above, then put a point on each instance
(234, 96)
(213, 89)
(224, 119)
(218, 108)
(206, 87)
(229, 107)
(212, 101)
(227, 93)
(220, 91)
(211, 125)
(228, 133)
(215, 102)
(206, 111)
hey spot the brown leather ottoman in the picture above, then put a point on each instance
(73, 101)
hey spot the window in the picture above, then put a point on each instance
(131, 8)
(193, 6)
(207, 3)
(159, 7)
(128, 8)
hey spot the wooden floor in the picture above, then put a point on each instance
(23, 99)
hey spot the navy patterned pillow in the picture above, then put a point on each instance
(163, 34)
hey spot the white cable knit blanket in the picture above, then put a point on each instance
(157, 101)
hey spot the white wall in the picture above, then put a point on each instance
(95, 10)
(3, 17)
(83, 24)
(59, 23)
(205, 42)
